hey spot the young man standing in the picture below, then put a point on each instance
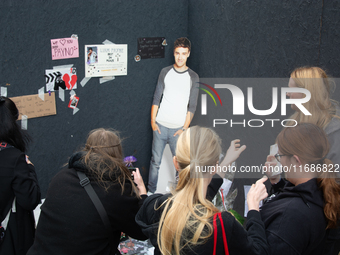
(178, 88)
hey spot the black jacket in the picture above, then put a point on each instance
(69, 222)
(17, 178)
(294, 220)
(239, 240)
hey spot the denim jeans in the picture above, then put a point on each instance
(158, 144)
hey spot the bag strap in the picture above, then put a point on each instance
(226, 250)
(86, 184)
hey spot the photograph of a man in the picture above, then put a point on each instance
(173, 107)
(92, 55)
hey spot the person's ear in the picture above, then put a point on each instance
(189, 54)
(297, 159)
(174, 159)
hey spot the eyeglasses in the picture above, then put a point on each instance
(278, 156)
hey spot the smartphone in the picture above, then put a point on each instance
(132, 169)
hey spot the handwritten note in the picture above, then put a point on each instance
(64, 48)
(32, 106)
(151, 47)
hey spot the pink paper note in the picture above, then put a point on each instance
(64, 48)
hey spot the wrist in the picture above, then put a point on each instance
(254, 206)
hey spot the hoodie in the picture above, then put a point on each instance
(294, 220)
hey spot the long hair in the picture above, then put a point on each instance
(310, 144)
(10, 131)
(321, 106)
(185, 220)
(104, 158)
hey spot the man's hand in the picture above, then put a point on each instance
(178, 132)
(154, 126)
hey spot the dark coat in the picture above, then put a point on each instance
(240, 241)
(17, 179)
(294, 220)
(69, 222)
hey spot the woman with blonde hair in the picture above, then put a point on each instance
(302, 216)
(325, 111)
(185, 222)
(70, 222)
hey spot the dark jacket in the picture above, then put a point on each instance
(17, 179)
(294, 220)
(239, 240)
(69, 222)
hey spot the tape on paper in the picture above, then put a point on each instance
(106, 78)
(84, 81)
(72, 93)
(108, 42)
(75, 110)
(62, 94)
(41, 93)
(24, 122)
(63, 67)
(4, 91)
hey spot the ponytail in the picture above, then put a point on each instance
(331, 194)
(187, 214)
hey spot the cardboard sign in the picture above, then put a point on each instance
(32, 106)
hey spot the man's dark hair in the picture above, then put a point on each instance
(182, 42)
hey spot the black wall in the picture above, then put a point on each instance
(259, 39)
(229, 39)
(123, 104)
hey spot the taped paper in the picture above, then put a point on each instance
(32, 106)
(62, 94)
(64, 48)
(41, 93)
(24, 122)
(4, 91)
(84, 81)
(72, 93)
(65, 78)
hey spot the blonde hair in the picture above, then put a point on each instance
(185, 220)
(321, 106)
(104, 158)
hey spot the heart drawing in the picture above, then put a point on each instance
(62, 41)
(70, 82)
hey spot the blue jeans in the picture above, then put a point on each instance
(158, 144)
